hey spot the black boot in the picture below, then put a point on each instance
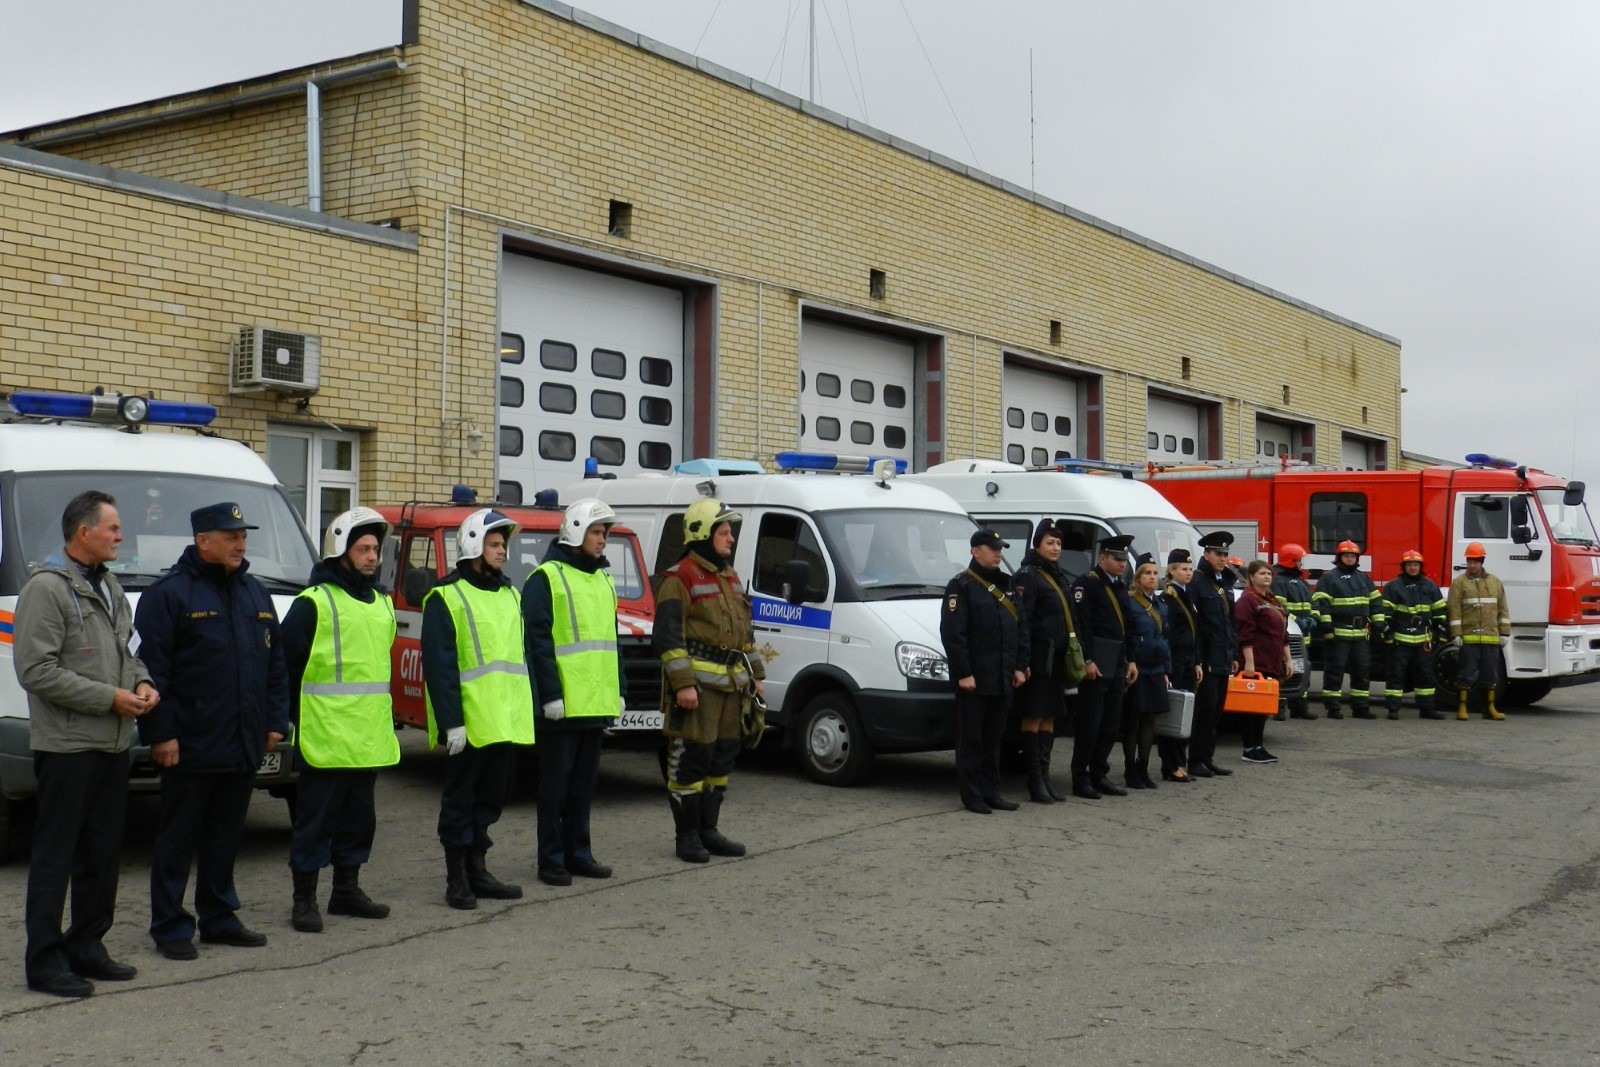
(305, 917)
(686, 819)
(1106, 789)
(1032, 760)
(485, 884)
(457, 890)
(1429, 713)
(1131, 776)
(712, 838)
(1082, 788)
(1047, 742)
(348, 898)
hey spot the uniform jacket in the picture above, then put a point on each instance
(981, 638)
(1152, 655)
(1263, 627)
(1478, 609)
(1346, 602)
(1102, 611)
(1181, 637)
(440, 665)
(1218, 646)
(1291, 589)
(1044, 612)
(300, 625)
(215, 651)
(538, 639)
(701, 605)
(71, 655)
(1415, 609)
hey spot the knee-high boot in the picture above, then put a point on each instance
(1492, 712)
(1461, 706)
(1032, 758)
(686, 822)
(1047, 742)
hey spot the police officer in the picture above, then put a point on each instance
(1039, 589)
(569, 621)
(1182, 627)
(1217, 647)
(711, 670)
(210, 636)
(1416, 613)
(480, 701)
(1290, 588)
(1349, 610)
(987, 649)
(336, 639)
(1100, 610)
(1480, 624)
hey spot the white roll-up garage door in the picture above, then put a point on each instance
(1274, 439)
(1355, 453)
(856, 390)
(1174, 430)
(591, 365)
(1041, 416)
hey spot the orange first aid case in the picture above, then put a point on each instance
(1252, 694)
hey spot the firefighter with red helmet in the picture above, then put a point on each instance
(1480, 623)
(1415, 609)
(1349, 610)
(1291, 589)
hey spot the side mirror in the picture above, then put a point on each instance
(1522, 534)
(1573, 496)
(796, 580)
(418, 581)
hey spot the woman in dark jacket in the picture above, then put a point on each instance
(1185, 650)
(1040, 591)
(1147, 697)
(1263, 628)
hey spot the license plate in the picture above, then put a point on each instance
(1300, 666)
(639, 720)
(271, 763)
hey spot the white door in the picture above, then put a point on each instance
(1274, 440)
(1174, 431)
(1488, 518)
(1355, 453)
(856, 390)
(591, 364)
(1041, 416)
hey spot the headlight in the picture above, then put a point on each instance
(1571, 643)
(920, 661)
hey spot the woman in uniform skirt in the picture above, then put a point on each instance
(1147, 697)
(1185, 673)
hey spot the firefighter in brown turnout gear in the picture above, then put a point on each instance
(710, 670)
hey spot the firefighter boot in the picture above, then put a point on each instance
(349, 898)
(712, 838)
(457, 890)
(686, 821)
(1492, 712)
(1047, 742)
(1033, 763)
(485, 884)
(1461, 706)
(305, 917)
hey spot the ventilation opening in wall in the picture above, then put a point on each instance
(1055, 331)
(1363, 415)
(620, 219)
(1186, 368)
(1286, 396)
(878, 284)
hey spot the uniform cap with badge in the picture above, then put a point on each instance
(224, 516)
(1116, 547)
(1217, 541)
(987, 539)
(1179, 555)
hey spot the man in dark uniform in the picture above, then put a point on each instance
(1350, 609)
(988, 655)
(1290, 588)
(1218, 648)
(1100, 611)
(1417, 615)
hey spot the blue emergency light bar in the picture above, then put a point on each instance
(829, 461)
(112, 407)
(1483, 459)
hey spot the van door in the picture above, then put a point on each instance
(418, 571)
(1524, 569)
(790, 637)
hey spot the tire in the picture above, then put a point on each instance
(1520, 694)
(832, 747)
(1446, 694)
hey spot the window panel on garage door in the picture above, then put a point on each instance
(1274, 439)
(1175, 430)
(856, 389)
(592, 364)
(1041, 416)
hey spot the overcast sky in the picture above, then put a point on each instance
(1428, 169)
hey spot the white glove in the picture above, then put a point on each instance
(1505, 642)
(622, 705)
(555, 710)
(1457, 642)
(455, 740)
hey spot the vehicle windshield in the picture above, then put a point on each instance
(893, 554)
(527, 552)
(1160, 536)
(154, 509)
(1569, 525)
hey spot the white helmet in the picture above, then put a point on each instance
(582, 514)
(341, 530)
(469, 539)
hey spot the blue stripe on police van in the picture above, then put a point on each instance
(770, 610)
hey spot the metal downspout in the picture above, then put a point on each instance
(313, 146)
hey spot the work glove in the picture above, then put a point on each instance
(1505, 642)
(622, 705)
(555, 710)
(455, 740)
(1456, 643)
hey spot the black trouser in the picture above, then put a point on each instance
(1410, 667)
(1098, 722)
(77, 838)
(335, 818)
(980, 722)
(569, 770)
(1478, 665)
(1338, 655)
(476, 783)
(1208, 697)
(1252, 730)
(202, 819)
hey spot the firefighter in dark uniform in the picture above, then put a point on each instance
(1039, 590)
(1415, 610)
(710, 672)
(1290, 587)
(1349, 610)
(1217, 647)
(1100, 610)
(987, 649)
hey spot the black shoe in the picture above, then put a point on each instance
(239, 937)
(106, 970)
(485, 885)
(1394, 714)
(1308, 714)
(1221, 772)
(977, 807)
(1144, 776)
(349, 898)
(1200, 770)
(1001, 804)
(1106, 788)
(1282, 716)
(1430, 713)
(1081, 787)
(65, 984)
(1132, 780)
(178, 950)
(1363, 713)
(555, 876)
(457, 891)
(1335, 713)
(1258, 755)
(588, 869)
(1172, 776)
(303, 913)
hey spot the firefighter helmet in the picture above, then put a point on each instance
(702, 518)
(1235, 562)
(1291, 554)
(478, 525)
(1476, 551)
(1410, 555)
(345, 529)
(1347, 546)
(582, 514)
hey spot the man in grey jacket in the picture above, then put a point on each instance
(85, 689)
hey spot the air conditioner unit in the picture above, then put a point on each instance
(268, 358)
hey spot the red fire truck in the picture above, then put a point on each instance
(1540, 541)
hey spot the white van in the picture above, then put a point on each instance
(47, 456)
(846, 572)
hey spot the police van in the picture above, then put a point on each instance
(846, 564)
(51, 450)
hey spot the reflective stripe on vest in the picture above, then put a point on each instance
(496, 698)
(346, 718)
(583, 623)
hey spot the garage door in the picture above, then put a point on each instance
(856, 388)
(591, 365)
(1357, 454)
(1274, 439)
(1041, 416)
(1174, 430)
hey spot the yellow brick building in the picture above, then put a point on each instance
(526, 236)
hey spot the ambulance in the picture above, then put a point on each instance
(846, 564)
(155, 457)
